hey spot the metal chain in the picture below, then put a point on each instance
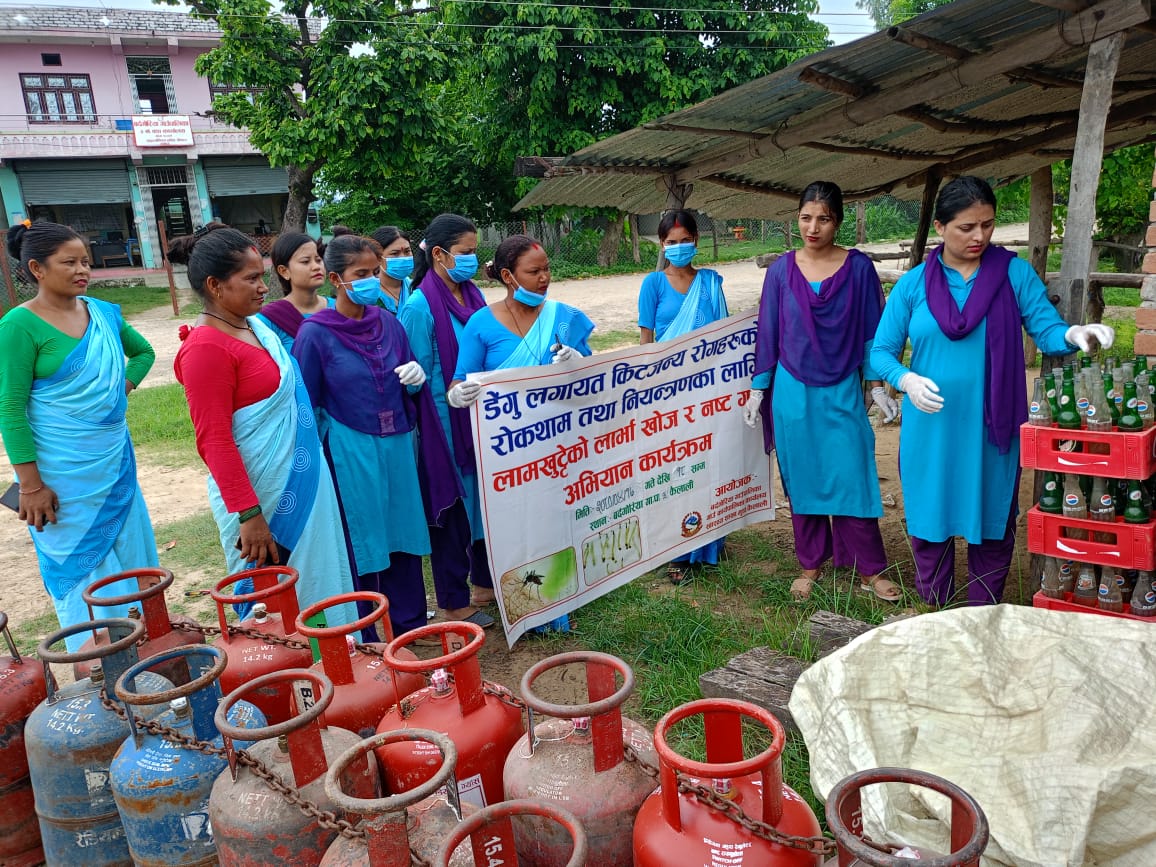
(712, 800)
(247, 631)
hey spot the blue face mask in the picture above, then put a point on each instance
(399, 267)
(465, 267)
(530, 299)
(364, 291)
(679, 255)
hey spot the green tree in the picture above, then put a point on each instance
(888, 12)
(555, 77)
(330, 85)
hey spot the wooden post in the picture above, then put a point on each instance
(635, 251)
(1087, 157)
(714, 237)
(6, 268)
(1039, 236)
(926, 208)
(168, 266)
(860, 223)
(676, 196)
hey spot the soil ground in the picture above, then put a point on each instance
(177, 492)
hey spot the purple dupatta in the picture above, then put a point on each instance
(992, 300)
(284, 315)
(443, 305)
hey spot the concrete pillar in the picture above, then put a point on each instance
(142, 213)
(202, 190)
(1146, 313)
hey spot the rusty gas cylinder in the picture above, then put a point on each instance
(363, 686)
(576, 760)
(481, 724)
(147, 602)
(275, 614)
(254, 825)
(677, 829)
(844, 808)
(415, 822)
(22, 688)
(492, 838)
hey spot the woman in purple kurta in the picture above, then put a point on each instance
(818, 313)
(371, 400)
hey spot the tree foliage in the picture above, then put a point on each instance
(888, 12)
(331, 81)
(558, 76)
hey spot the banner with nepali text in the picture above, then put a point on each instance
(596, 471)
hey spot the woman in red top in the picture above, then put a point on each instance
(269, 486)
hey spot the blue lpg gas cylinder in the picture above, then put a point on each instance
(71, 738)
(161, 787)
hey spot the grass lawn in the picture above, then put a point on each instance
(158, 419)
(133, 300)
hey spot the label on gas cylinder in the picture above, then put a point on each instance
(726, 854)
(99, 790)
(470, 790)
(197, 828)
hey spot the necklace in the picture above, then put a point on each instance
(245, 326)
(514, 317)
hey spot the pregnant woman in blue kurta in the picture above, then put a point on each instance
(966, 386)
(819, 310)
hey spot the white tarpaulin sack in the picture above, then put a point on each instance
(1047, 718)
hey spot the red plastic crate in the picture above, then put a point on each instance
(1131, 454)
(1133, 546)
(1066, 604)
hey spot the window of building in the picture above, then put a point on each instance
(152, 85)
(50, 60)
(216, 90)
(58, 98)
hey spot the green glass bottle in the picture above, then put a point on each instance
(1110, 391)
(1052, 495)
(1052, 394)
(1068, 416)
(1129, 414)
(1135, 512)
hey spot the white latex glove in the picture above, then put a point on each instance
(561, 353)
(751, 409)
(886, 403)
(410, 373)
(1081, 336)
(924, 393)
(463, 394)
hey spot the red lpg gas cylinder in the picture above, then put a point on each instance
(416, 821)
(577, 761)
(363, 687)
(492, 839)
(678, 830)
(22, 688)
(255, 826)
(483, 725)
(969, 830)
(250, 658)
(149, 604)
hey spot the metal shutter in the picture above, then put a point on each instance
(73, 182)
(243, 177)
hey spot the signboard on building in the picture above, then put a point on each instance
(162, 130)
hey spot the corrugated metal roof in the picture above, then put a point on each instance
(990, 88)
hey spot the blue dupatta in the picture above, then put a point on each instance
(84, 453)
(277, 439)
(704, 302)
(535, 346)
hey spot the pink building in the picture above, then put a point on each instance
(106, 127)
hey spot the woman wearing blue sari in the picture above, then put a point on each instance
(64, 385)
(674, 301)
(269, 487)
(525, 328)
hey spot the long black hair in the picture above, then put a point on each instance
(444, 232)
(214, 250)
(507, 255)
(681, 217)
(344, 249)
(961, 194)
(35, 243)
(826, 194)
(287, 244)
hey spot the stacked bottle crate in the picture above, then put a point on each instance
(1092, 434)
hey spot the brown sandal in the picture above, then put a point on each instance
(883, 590)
